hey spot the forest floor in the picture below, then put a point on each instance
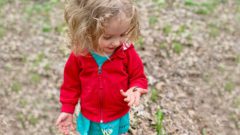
(190, 50)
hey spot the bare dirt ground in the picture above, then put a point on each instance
(191, 53)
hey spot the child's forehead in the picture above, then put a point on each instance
(115, 26)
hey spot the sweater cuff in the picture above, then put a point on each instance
(68, 108)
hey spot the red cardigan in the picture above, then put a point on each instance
(99, 89)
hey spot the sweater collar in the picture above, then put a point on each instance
(118, 53)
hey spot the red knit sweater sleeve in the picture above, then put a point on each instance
(71, 88)
(137, 78)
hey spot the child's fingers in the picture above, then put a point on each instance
(58, 121)
(143, 91)
(73, 128)
(137, 99)
(66, 129)
(63, 129)
(65, 132)
(123, 93)
(132, 99)
(127, 99)
(60, 128)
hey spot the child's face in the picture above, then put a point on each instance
(115, 33)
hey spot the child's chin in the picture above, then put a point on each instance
(109, 51)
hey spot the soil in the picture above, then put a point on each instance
(190, 50)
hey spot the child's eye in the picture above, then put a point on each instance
(123, 35)
(106, 37)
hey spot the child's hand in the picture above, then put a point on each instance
(65, 123)
(132, 95)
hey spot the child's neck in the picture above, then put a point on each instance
(102, 54)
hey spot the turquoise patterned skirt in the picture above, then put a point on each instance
(116, 127)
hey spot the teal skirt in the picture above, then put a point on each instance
(116, 127)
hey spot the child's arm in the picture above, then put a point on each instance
(71, 88)
(69, 95)
(137, 78)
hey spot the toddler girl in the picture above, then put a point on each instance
(103, 71)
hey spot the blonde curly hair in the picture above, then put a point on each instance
(85, 19)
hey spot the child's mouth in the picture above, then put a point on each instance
(111, 48)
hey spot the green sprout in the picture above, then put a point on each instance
(159, 122)
(177, 47)
(229, 86)
(154, 95)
